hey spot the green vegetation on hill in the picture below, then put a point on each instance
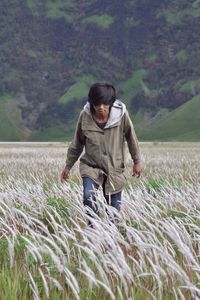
(181, 55)
(58, 133)
(133, 85)
(53, 9)
(78, 90)
(110, 59)
(177, 17)
(59, 8)
(11, 128)
(51, 52)
(103, 21)
(181, 124)
(190, 85)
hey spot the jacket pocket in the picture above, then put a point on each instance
(117, 178)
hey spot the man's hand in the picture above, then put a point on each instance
(137, 169)
(65, 174)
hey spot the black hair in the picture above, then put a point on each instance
(101, 93)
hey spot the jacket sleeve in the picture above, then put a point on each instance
(76, 147)
(131, 139)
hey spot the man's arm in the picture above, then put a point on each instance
(133, 146)
(74, 151)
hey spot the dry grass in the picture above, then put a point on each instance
(48, 252)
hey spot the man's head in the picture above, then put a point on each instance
(101, 93)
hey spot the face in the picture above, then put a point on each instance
(102, 108)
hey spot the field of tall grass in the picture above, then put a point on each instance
(47, 251)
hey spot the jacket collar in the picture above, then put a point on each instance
(116, 113)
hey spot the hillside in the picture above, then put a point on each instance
(51, 51)
(181, 124)
(11, 128)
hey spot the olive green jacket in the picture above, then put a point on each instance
(104, 148)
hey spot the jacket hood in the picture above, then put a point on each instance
(117, 111)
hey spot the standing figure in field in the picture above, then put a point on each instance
(102, 129)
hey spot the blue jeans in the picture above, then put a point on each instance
(89, 187)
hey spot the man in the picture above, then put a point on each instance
(102, 129)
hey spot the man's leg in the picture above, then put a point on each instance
(89, 191)
(116, 200)
(113, 200)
